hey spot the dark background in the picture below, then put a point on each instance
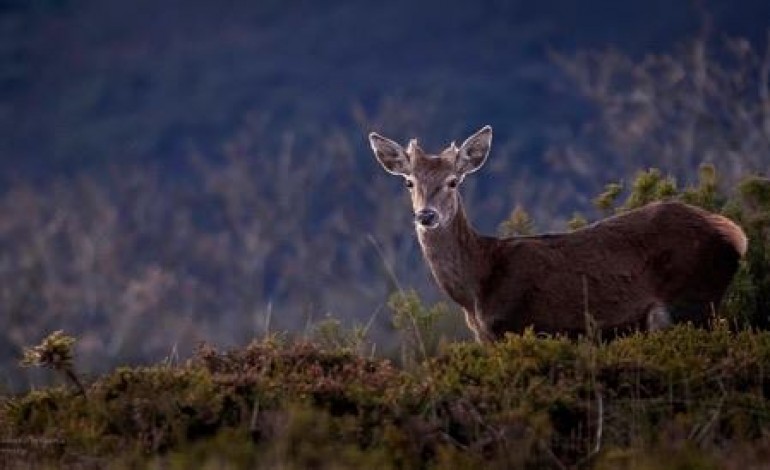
(184, 170)
(85, 82)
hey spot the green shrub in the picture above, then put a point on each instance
(518, 223)
(419, 326)
(54, 352)
(683, 396)
(677, 398)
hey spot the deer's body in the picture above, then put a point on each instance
(624, 271)
(663, 263)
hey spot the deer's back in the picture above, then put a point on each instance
(667, 254)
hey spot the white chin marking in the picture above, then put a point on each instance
(426, 227)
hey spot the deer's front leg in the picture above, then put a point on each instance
(480, 331)
(473, 324)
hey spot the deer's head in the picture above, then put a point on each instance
(433, 180)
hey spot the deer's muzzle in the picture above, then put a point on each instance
(427, 218)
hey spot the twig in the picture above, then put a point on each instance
(600, 421)
(268, 316)
(70, 374)
(388, 268)
(699, 433)
(559, 464)
(254, 417)
(599, 430)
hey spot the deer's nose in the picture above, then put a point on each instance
(426, 217)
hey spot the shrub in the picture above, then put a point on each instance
(677, 397)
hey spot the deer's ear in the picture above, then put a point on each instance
(391, 156)
(473, 152)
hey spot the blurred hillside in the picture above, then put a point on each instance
(191, 170)
(86, 82)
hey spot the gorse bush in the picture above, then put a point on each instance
(421, 327)
(55, 352)
(329, 333)
(518, 223)
(678, 398)
(752, 286)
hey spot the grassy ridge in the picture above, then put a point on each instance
(682, 398)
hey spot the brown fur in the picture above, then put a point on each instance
(665, 254)
(665, 262)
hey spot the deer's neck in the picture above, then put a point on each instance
(456, 257)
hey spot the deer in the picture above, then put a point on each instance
(641, 270)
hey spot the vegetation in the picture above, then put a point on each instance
(681, 398)
(54, 352)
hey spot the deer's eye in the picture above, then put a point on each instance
(452, 183)
(409, 184)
